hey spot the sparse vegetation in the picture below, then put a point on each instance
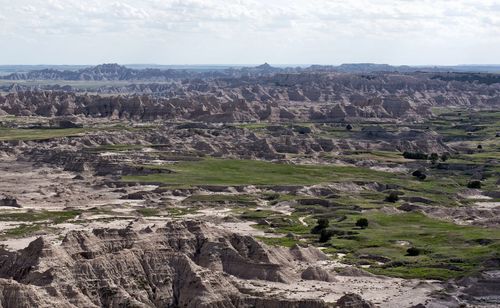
(22, 230)
(392, 197)
(31, 216)
(415, 155)
(7, 134)
(148, 212)
(443, 242)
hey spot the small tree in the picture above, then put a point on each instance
(348, 127)
(362, 223)
(480, 147)
(392, 197)
(322, 224)
(413, 252)
(325, 235)
(445, 156)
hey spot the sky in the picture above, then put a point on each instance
(414, 32)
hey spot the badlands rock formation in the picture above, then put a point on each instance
(243, 187)
(278, 96)
(184, 264)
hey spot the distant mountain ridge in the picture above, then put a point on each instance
(101, 72)
(116, 72)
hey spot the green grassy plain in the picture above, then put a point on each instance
(9, 134)
(53, 216)
(452, 249)
(253, 172)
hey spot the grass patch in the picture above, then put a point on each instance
(181, 211)
(22, 230)
(148, 212)
(449, 250)
(253, 172)
(55, 217)
(10, 134)
(244, 200)
(257, 214)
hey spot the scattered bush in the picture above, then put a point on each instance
(434, 157)
(392, 197)
(474, 184)
(417, 173)
(348, 127)
(415, 155)
(302, 129)
(326, 235)
(362, 223)
(479, 146)
(445, 156)
(271, 197)
(413, 252)
(322, 224)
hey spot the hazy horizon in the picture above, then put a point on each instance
(246, 64)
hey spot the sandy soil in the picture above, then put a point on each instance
(383, 291)
(487, 205)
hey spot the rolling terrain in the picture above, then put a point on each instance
(315, 186)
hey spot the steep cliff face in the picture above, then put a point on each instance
(185, 264)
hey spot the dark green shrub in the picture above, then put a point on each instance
(417, 173)
(326, 235)
(392, 197)
(474, 184)
(414, 155)
(322, 224)
(413, 252)
(362, 223)
(348, 127)
(301, 129)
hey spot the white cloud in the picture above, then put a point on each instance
(384, 28)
